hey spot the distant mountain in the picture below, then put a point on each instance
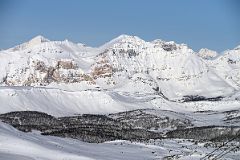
(152, 97)
(125, 64)
(207, 54)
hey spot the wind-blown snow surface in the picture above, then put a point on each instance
(60, 102)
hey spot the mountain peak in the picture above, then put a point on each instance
(207, 53)
(31, 43)
(36, 41)
(122, 39)
(158, 41)
(126, 38)
(39, 39)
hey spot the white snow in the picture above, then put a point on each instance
(207, 53)
(32, 146)
(143, 69)
(174, 68)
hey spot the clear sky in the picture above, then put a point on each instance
(213, 24)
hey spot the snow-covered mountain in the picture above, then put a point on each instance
(126, 63)
(207, 53)
(227, 66)
(142, 90)
(65, 78)
(174, 69)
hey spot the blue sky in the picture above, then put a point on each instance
(213, 24)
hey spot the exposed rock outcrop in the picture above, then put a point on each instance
(38, 73)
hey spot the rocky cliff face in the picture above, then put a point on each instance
(38, 73)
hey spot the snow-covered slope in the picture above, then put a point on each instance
(15, 144)
(29, 146)
(228, 66)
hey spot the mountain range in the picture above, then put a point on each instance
(126, 63)
(138, 99)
